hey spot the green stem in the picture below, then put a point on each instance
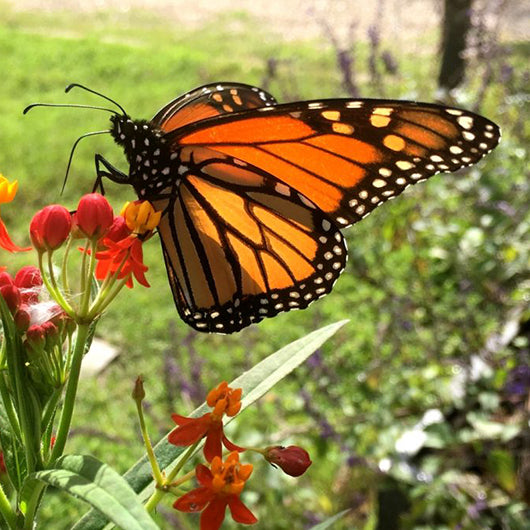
(6, 510)
(157, 475)
(103, 301)
(71, 390)
(51, 285)
(64, 268)
(157, 495)
(87, 291)
(33, 505)
(8, 406)
(50, 408)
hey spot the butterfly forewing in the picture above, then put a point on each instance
(209, 101)
(240, 246)
(348, 157)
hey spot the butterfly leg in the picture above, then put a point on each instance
(111, 172)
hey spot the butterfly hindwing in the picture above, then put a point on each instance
(348, 157)
(240, 246)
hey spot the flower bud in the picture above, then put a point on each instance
(116, 232)
(293, 460)
(22, 319)
(5, 278)
(50, 227)
(94, 215)
(138, 393)
(52, 333)
(36, 337)
(28, 279)
(11, 294)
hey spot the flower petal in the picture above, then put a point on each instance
(190, 432)
(240, 513)
(6, 243)
(232, 446)
(194, 501)
(213, 516)
(203, 475)
(213, 446)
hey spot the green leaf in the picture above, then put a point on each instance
(328, 522)
(89, 479)
(255, 383)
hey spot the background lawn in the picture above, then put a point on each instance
(435, 288)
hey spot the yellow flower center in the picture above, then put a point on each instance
(224, 400)
(229, 477)
(140, 216)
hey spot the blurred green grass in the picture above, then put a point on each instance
(430, 276)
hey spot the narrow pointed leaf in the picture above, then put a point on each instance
(329, 522)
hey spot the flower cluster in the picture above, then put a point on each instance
(113, 250)
(41, 324)
(221, 484)
(48, 313)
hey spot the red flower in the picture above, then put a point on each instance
(6, 279)
(11, 294)
(224, 400)
(293, 460)
(29, 280)
(94, 215)
(220, 486)
(124, 257)
(36, 337)
(118, 230)
(22, 319)
(50, 227)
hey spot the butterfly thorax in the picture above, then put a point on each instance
(151, 162)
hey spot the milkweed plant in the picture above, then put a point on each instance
(78, 263)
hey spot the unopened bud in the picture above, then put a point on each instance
(138, 393)
(293, 460)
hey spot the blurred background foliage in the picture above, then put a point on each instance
(416, 412)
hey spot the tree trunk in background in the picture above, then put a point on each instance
(456, 24)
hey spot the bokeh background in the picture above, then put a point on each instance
(416, 412)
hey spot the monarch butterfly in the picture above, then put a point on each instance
(254, 193)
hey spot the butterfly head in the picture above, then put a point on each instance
(135, 136)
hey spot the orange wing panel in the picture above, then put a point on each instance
(252, 130)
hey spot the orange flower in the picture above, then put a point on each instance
(223, 400)
(122, 244)
(125, 257)
(220, 486)
(8, 191)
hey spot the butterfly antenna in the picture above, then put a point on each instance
(68, 105)
(74, 85)
(94, 133)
